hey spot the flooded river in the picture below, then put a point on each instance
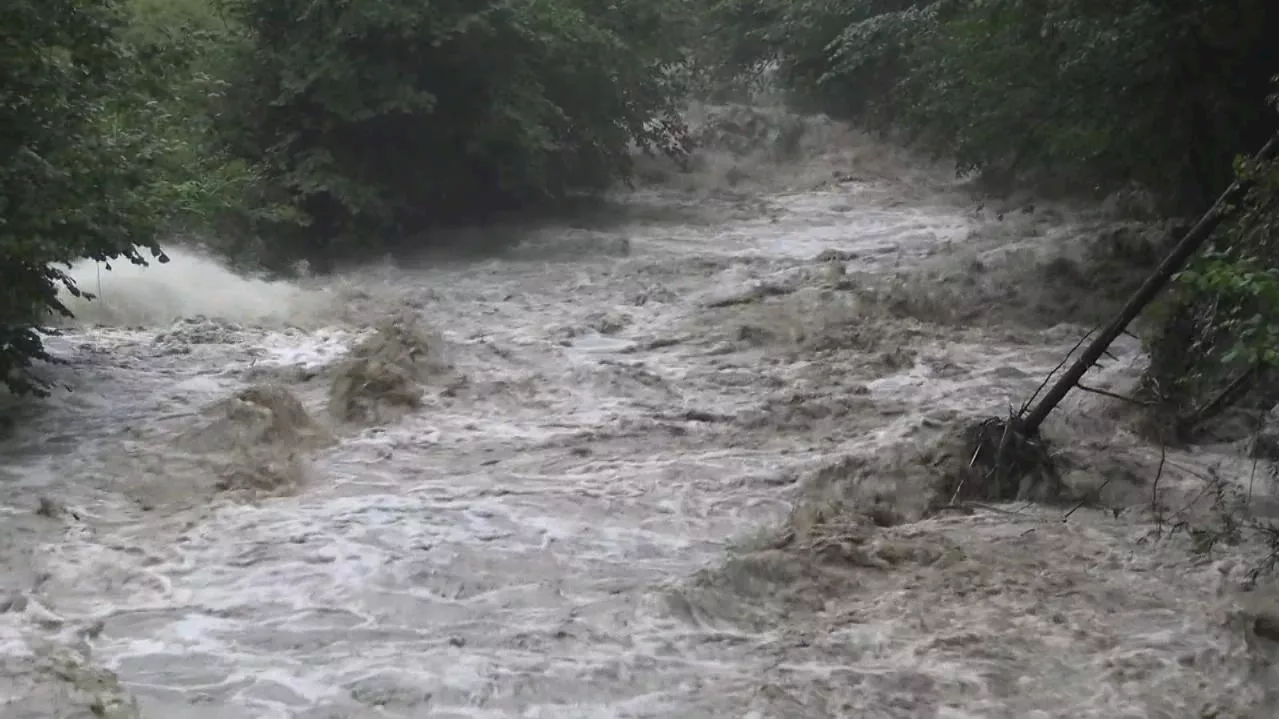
(608, 472)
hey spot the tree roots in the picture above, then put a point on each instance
(1007, 463)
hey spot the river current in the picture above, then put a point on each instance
(613, 470)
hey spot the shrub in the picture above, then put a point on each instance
(78, 177)
(388, 118)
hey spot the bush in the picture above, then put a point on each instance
(78, 170)
(379, 119)
(1214, 345)
(1089, 94)
(799, 43)
(217, 197)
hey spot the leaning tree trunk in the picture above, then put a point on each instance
(1177, 258)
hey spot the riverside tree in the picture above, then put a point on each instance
(384, 119)
(78, 175)
(279, 129)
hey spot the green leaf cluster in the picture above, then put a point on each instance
(77, 178)
(1080, 94)
(381, 119)
(1221, 320)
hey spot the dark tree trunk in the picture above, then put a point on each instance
(1177, 258)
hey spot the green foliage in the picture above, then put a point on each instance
(1088, 93)
(1096, 93)
(212, 194)
(1221, 321)
(801, 42)
(77, 178)
(381, 118)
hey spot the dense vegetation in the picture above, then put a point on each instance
(385, 118)
(275, 129)
(283, 128)
(1088, 93)
(68, 116)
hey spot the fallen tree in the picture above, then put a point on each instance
(1009, 455)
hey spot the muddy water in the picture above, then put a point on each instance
(573, 520)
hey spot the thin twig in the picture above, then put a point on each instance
(1112, 395)
(1155, 489)
(1085, 500)
(997, 510)
(977, 449)
(1049, 377)
(1253, 457)
(959, 487)
(1211, 480)
(1004, 443)
(1214, 484)
(1224, 399)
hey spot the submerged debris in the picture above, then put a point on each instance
(249, 443)
(261, 415)
(61, 682)
(382, 379)
(1007, 464)
(197, 330)
(254, 475)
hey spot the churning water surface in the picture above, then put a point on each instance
(545, 484)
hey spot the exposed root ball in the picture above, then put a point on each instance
(261, 415)
(1007, 464)
(908, 482)
(381, 380)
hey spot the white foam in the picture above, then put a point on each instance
(189, 285)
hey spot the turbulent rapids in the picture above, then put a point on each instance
(672, 462)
